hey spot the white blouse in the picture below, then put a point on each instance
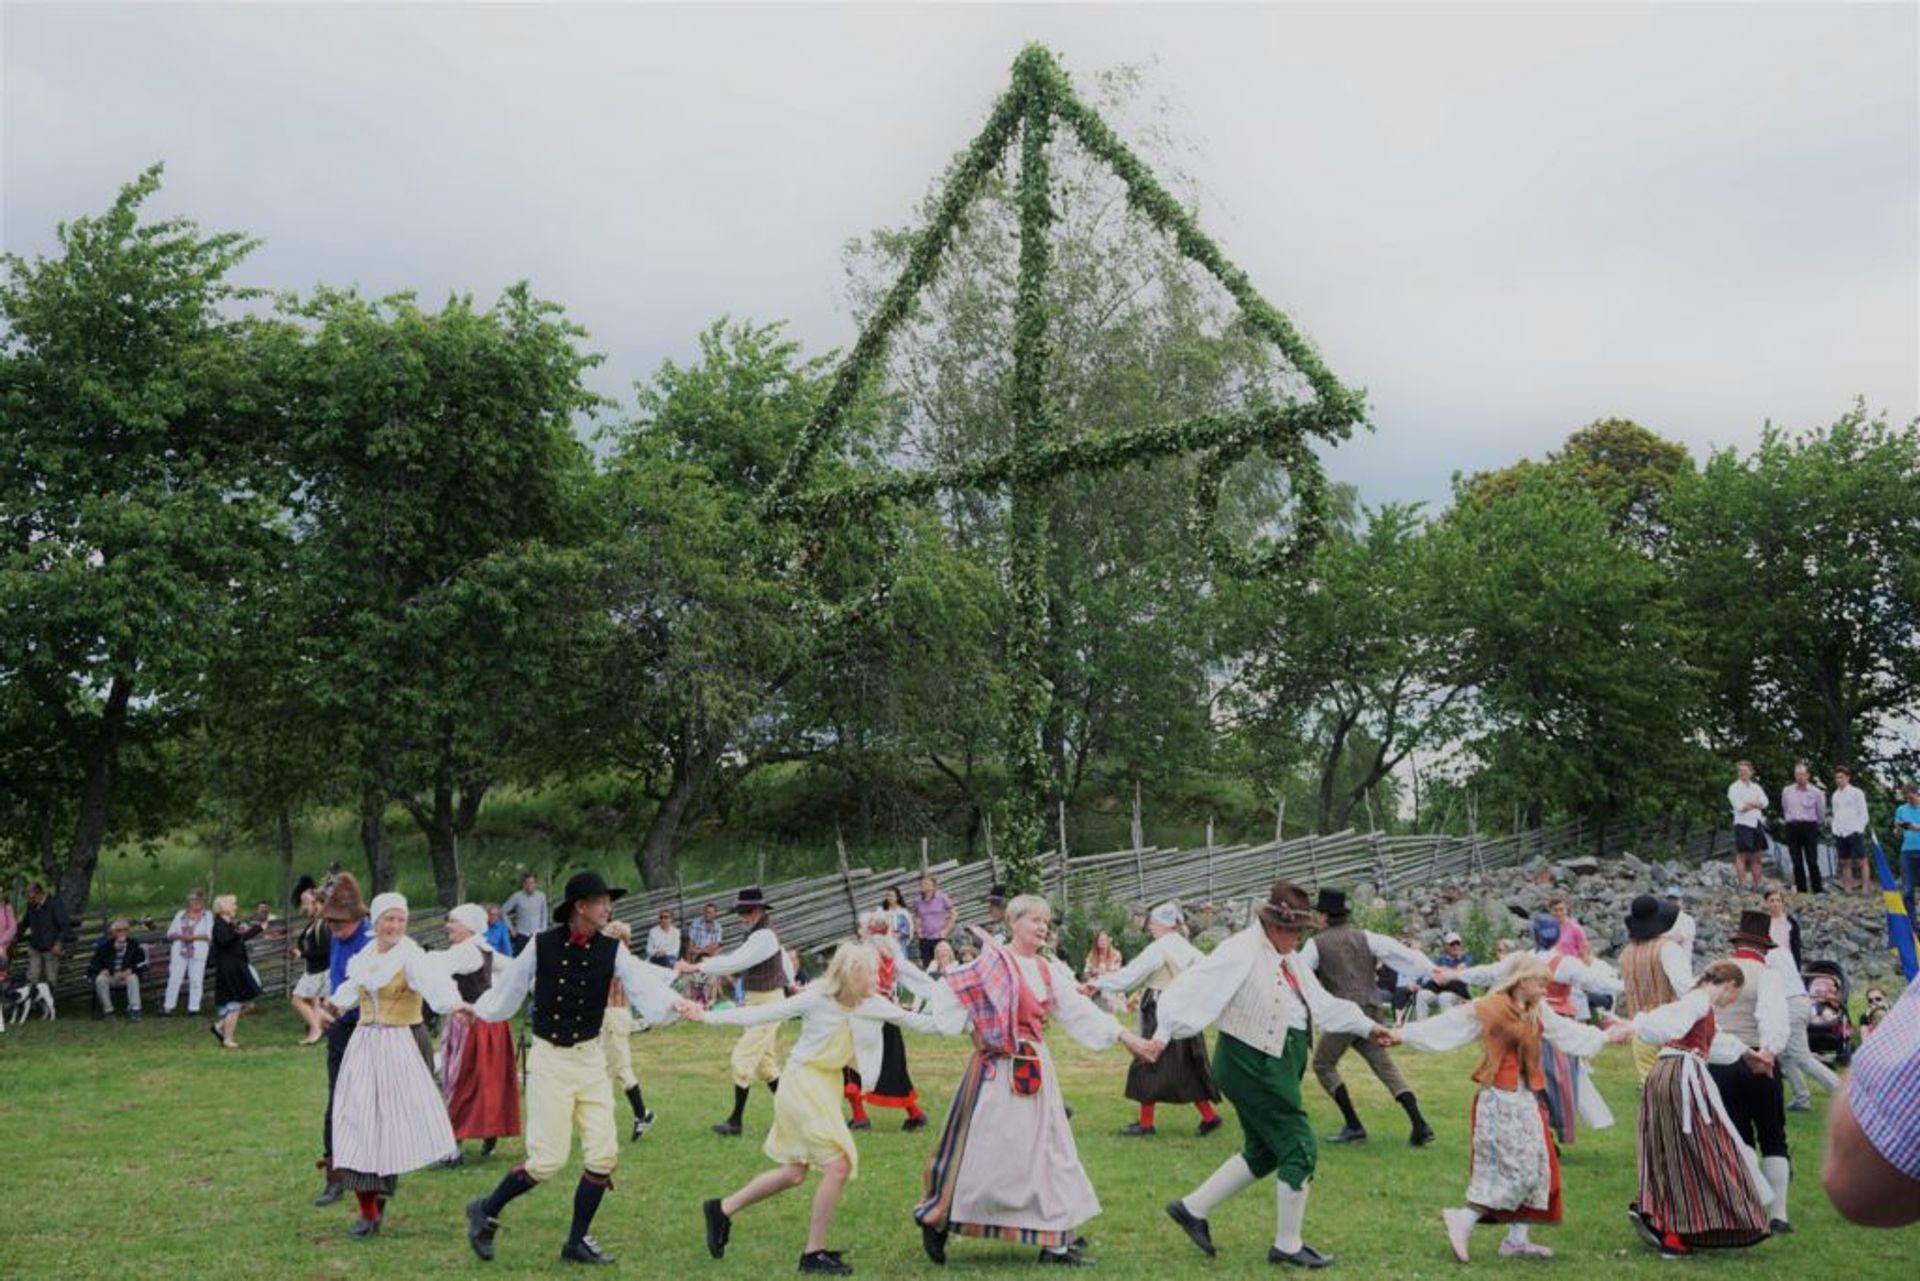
(1461, 1026)
(821, 1018)
(1675, 1019)
(371, 969)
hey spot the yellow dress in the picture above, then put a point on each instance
(807, 1123)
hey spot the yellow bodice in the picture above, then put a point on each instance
(393, 1005)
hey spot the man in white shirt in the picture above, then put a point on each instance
(1265, 1002)
(526, 912)
(1748, 801)
(1849, 810)
(761, 963)
(663, 941)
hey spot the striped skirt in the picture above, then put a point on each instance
(1563, 1091)
(388, 1116)
(1006, 1165)
(1698, 1182)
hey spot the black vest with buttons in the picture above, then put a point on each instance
(474, 984)
(570, 986)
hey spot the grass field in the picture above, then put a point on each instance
(137, 1151)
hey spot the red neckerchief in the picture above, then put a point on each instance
(576, 939)
(1748, 954)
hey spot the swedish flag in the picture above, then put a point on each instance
(1899, 924)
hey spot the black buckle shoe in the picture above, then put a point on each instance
(364, 1228)
(1421, 1136)
(480, 1230)
(1069, 1257)
(914, 1123)
(331, 1193)
(934, 1242)
(825, 1263)
(1138, 1131)
(726, 1129)
(1193, 1225)
(1211, 1124)
(1779, 1227)
(1305, 1257)
(642, 1123)
(864, 1123)
(1348, 1134)
(719, 1227)
(585, 1250)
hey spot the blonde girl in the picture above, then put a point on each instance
(840, 1019)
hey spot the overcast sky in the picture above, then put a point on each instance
(1502, 221)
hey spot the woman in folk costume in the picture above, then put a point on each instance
(1655, 969)
(1180, 1075)
(1515, 1176)
(616, 1038)
(892, 1086)
(1006, 1165)
(841, 1017)
(388, 1116)
(1700, 1185)
(1571, 1096)
(477, 1065)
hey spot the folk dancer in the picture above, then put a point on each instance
(568, 968)
(1266, 1001)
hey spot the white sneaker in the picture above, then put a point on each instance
(1459, 1229)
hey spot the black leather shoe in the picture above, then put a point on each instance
(864, 1123)
(727, 1129)
(480, 1230)
(1193, 1225)
(1348, 1134)
(934, 1242)
(1208, 1127)
(331, 1193)
(914, 1123)
(1421, 1136)
(585, 1250)
(364, 1228)
(1305, 1257)
(1779, 1227)
(1069, 1257)
(825, 1263)
(719, 1227)
(641, 1124)
(453, 1162)
(1135, 1130)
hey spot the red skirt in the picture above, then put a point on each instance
(485, 1098)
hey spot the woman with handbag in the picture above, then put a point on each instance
(1006, 1165)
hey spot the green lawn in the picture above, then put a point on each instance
(145, 1150)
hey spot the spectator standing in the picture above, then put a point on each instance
(234, 987)
(1872, 1170)
(47, 929)
(1749, 803)
(314, 946)
(499, 937)
(932, 916)
(663, 943)
(1804, 806)
(526, 911)
(899, 919)
(1850, 832)
(9, 930)
(1573, 935)
(189, 936)
(118, 961)
(703, 935)
(1906, 821)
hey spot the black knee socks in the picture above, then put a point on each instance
(1412, 1105)
(773, 1086)
(586, 1203)
(1345, 1105)
(636, 1101)
(517, 1183)
(739, 1105)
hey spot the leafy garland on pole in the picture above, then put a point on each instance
(1040, 99)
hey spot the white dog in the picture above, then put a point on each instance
(26, 998)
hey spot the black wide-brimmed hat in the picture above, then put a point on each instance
(751, 898)
(997, 893)
(1755, 930)
(1332, 904)
(584, 885)
(1650, 917)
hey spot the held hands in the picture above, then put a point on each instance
(685, 967)
(1760, 1061)
(1619, 1032)
(691, 1011)
(1385, 1037)
(1141, 1048)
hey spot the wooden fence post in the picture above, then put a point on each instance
(1209, 858)
(846, 880)
(1066, 889)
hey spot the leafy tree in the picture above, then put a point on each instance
(1801, 565)
(136, 495)
(1625, 468)
(1352, 665)
(438, 472)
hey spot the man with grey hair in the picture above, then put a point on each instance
(118, 961)
(1180, 1074)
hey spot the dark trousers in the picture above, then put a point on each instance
(1803, 846)
(926, 950)
(1755, 1105)
(339, 1032)
(520, 942)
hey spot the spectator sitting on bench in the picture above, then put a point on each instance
(118, 960)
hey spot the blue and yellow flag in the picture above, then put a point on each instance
(1899, 924)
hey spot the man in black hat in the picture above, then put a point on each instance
(1345, 959)
(1654, 968)
(761, 963)
(1750, 1086)
(570, 968)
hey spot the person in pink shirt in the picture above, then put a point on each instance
(1573, 936)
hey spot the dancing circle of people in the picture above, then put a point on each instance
(1298, 985)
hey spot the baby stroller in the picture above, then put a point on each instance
(1830, 1031)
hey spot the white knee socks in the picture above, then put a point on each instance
(1779, 1173)
(1290, 1210)
(1517, 1233)
(1232, 1175)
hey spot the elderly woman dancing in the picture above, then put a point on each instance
(1006, 1165)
